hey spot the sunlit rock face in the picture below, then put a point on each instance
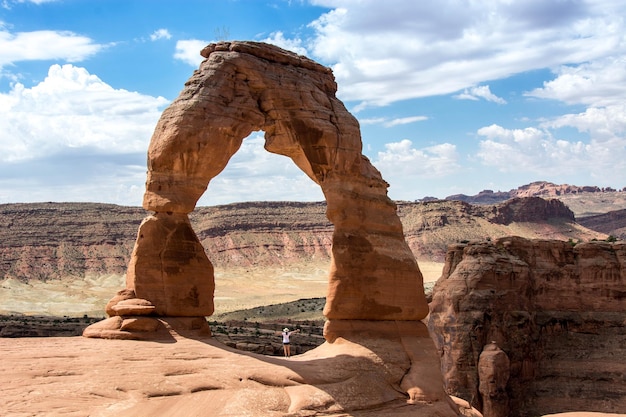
(169, 267)
(556, 310)
(243, 87)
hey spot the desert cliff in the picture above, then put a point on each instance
(74, 255)
(47, 241)
(555, 309)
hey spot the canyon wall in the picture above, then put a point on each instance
(556, 309)
(48, 241)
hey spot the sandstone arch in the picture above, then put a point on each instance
(243, 87)
(377, 347)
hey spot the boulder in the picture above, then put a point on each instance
(121, 295)
(133, 307)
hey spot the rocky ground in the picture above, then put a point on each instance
(196, 377)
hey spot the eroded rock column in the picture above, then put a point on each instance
(493, 373)
(374, 275)
(170, 268)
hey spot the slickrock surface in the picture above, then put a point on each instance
(182, 376)
(557, 310)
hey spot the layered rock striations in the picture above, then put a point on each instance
(51, 241)
(556, 310)
(430, 227)
(612, 223)
(264, 233)
(47, 241)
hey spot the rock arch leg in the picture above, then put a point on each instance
(170, 268)
(374, 275)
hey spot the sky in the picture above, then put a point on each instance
(452, 96)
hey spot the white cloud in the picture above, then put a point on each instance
(476, 93)
(188, 51)
(411, 172)
(71, 108)
(8, 3)
(80, 176)
(392, 122)
(373, 121)
(601, 123)
(382, 52)
(160, 34)
(293, 45)
(73, 135)
(402, 159)
(537, 151)
(601, 85)
(405, 121)
(45, 45)
(598, 83)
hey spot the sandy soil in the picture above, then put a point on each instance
(236, 289)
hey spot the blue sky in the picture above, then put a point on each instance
(452, 96)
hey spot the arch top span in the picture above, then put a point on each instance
(243, 87)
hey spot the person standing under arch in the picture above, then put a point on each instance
(286, 341)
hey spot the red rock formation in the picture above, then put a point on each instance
(557, 310)
(493, 375)
(530, 209)
(543, 188)
(375, 295)
(169, 267)
(535, 189)
(242, 87)
(612, 223)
